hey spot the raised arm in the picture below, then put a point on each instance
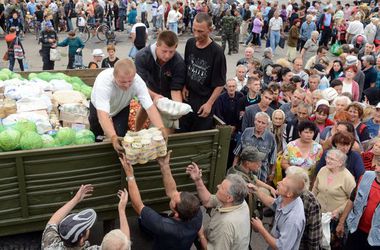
(124, 227)
(84, 191)
(196, 176)
(169, 183)
(134, 192)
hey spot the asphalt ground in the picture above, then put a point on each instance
(123, 45)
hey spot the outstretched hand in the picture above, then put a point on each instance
(194, 171)
(84, 191)
(128, 169)
(123, 196)
(165, 160)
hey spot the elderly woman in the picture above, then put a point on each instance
(344, 142)
(333, 186)
(278, 127)
(303, 152)
(372, 156)
(356, 112)
(310, 48)
(340, 103)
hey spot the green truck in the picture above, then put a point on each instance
(35, 183)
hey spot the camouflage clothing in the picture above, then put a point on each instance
(236, 36)
(251, 199)
(51, 240)
(228, 25)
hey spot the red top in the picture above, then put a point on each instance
(372, 203)
(367, 160)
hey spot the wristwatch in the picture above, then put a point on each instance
(129, 178)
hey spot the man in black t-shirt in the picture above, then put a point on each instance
(205, 77)
(178, 230)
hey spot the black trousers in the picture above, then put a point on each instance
(46, 63)
(325, 36)
(358, 240)
(120, 122)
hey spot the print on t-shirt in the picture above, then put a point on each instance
(197, 69)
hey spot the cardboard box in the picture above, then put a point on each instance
(75, 126)
(73, 118)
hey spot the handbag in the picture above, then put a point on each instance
(281, 43)
(5, 56)
(17, 50)
(55, 55)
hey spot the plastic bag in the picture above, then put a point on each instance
(336, 49)
(55, 55)
(281, 43)
(173, 109)
(326, 233)
(78, 61)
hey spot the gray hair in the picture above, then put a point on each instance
(116, 239)
(238, 188)
(315, 76)
(339, 155)
(341, 98)
(314, 33)
(306, 106)
(263, 114)
(267, 52)
(293, 170)
(241, 66)
(369, 59)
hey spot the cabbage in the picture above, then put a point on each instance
(77, 80)
(86, 91)
(32, 75)
(84, 136)
(48, 141)
(6, 71)
(65, 136)
(16, 75)
(2, 128)
(30, 140)
(3, 76)
(25, 125)
(62, 76)
(46, 76)
(9, 139)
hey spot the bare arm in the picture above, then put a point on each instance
(258, 226)
(155, 117)
(205, 109)
(106, 123)
(133, 36)
(176, 95)
(196, 176)
(266, 199)
(169, 182)
(84, 191)
(343, 217)
(124, 227)
(134, 192)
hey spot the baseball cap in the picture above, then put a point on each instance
(97, 52)
(72, 227)
(351, 60)
(252, 154)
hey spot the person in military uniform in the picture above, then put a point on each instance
(228, 24)
(250, 163)
(236, 35)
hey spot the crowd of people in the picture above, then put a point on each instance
(305, 128)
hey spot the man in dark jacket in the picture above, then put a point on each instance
(163, 70)
(48, 39)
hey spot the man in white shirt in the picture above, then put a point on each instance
(113, 90)
(275, 30)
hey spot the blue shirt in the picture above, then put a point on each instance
(31, 8)
(265, 144)
(289, 224)
(373, 128)
(327, 20)
(306, 29)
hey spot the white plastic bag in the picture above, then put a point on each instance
(173, 109)
(55, 55)
(31, 103)
(326, 232)
(68, 96)
(60, 85)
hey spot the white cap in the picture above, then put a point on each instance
(329, 94)
(378, 106)
(320, 102)
(97, 52)
(351, 60)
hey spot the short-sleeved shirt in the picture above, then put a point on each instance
(310, 50)
(265, 144)
(250, 113)
(206, 70)
(52, 241)
(229, 227)
(289, 224)
(170, 233)
(294, 156)
(108, 97)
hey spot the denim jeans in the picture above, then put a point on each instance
(249, 38)
(274, 39)
(12, 62)
(173, 27)
(69, 24)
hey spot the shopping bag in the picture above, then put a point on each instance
(133, 52)
(281, 43)
(326, 232)
(55, 55)
(17, 50)
(78, 61)
(278, 170)
(26, 65)
(336, 49)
